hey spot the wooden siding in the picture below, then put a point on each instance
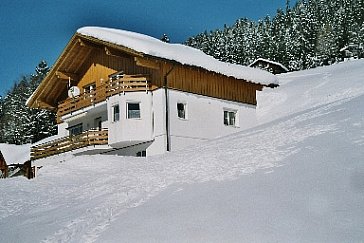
(99, 66)
(198, 81)
(195, 80)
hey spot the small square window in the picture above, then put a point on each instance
(229, 118)
(133, 110)
(141, 154)
(115, 113)
(181, 110)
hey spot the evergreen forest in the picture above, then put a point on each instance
(311, 33)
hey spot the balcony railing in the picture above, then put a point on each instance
(127, 83)
(69, 143)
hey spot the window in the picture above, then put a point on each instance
(181, 110)
(133, 110)
(229, 118)
(141, 154)
(98, 123)
(75, 130)
(89, 88)
(115, 113)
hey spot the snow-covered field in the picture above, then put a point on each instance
(298, 176)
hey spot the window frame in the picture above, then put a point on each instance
(184, 110)
(72, 130)
(89, 88)
(115, 115)
(142, 153)
(229, 120)
(128, 110)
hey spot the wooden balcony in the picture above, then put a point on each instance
(69, 143)
(127, 83)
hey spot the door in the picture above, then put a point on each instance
(98, 123)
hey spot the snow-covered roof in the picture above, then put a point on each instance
(177, 52)
(269, 61)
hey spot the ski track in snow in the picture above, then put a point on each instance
(65, 191)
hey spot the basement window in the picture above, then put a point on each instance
(133, 110)
(230, 118)
(181, 110)
(141, 154)
(115, 113)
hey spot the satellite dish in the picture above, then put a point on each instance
(73, 91)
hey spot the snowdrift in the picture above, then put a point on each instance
(296, 177)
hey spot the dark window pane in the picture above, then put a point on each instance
(116, 113)
(75, 130)
(133, 110)
(229, 118)
(181, 111)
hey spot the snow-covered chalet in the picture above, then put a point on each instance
(125, 93)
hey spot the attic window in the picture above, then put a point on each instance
(89, 88)
(116, 76)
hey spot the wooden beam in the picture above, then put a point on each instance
(67, 76)
(44, 105)
(80, 42)
(108, 52)
(146, 63)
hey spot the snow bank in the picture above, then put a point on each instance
(177, 52)
(15, 154)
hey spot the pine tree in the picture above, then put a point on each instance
(41, 123)
(165, 38)
(20, 124)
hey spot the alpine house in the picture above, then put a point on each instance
(121, 92)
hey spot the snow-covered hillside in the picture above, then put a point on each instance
(296, 177)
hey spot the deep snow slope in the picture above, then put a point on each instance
(297, 177)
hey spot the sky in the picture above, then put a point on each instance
(32, 31)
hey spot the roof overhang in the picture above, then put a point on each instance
(67, 69)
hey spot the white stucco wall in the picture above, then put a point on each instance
(62, 131)
(130, 131)
(159, 120)
(204, 121)
(204, 118)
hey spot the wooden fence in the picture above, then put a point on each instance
(69, 143)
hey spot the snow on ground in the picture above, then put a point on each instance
(297, 177)
(15, 154)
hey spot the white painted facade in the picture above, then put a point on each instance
(203, 120)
